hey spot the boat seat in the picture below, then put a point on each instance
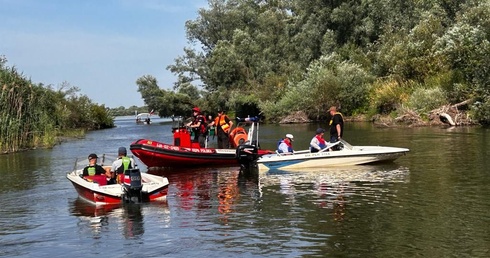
(99, 179)
(335, 146)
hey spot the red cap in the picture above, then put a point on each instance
(196, 109)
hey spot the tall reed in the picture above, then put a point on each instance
(35, 116)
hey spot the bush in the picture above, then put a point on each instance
(328, 81)
(387, 95)
(423, 100)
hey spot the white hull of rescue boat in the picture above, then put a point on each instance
(154, 188)
(348, 156)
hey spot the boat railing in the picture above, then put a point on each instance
(301, 152)
(178, 122)
(252, 134)
(346, 144)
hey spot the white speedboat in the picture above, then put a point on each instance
(348, 155)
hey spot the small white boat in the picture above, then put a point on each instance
(135, 187)
(348, 155)
(143, 118)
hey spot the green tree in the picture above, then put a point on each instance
(271, 54)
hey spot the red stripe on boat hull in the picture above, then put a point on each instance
(155, 154)
(102, 198)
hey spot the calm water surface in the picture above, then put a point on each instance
(433, 202)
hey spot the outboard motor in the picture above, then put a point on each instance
(132, 186)
(247, 155)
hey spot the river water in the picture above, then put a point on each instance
(433, 202)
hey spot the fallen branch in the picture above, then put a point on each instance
(466, 102)
(445, 118)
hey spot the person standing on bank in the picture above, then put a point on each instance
(318, 143)
(223, 125)
(198, 126)
(121, 164)
(285, 145)
(93, 168)
(336, 125)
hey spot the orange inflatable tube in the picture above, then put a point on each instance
(238, 136)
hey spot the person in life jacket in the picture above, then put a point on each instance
(285, 145)
(317, 142)
(198, 126)
(223, 125)
(93, 168)
(121, 164)
(211, 127)
(336, 125)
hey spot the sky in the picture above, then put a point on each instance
(100, 46)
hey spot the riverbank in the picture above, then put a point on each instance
(49, 141)
(448, 115)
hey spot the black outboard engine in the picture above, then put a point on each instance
(132, 186)
(247, 155)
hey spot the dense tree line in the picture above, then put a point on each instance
(129, 111)
(35, 115)
(368, 57)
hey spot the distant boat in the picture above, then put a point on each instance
(143, 118)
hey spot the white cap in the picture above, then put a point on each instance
(290, 136)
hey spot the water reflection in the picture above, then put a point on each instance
(20, 175)
(98, 217)
(133, 226)
(192, 187)
(335, 188)
(210, 190)
(332, 196)
(228, 193)
(80, 207)
(365, 173)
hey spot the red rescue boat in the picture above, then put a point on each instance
(185, 153)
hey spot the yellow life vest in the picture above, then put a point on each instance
(91, 171)
(331, 119)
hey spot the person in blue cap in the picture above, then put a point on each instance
(317, 142)
(121, 164)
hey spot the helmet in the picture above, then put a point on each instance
(196, 109)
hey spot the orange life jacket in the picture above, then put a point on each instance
(222, 123)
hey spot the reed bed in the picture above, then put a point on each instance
(36, 116)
